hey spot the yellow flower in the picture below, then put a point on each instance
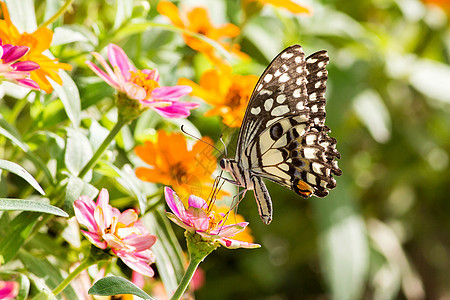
(38, 42)
(172, 163)
(287, 4)
(228, 93)
(197, 21)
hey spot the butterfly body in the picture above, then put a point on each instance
(283, 136)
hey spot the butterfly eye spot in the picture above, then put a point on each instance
(276, 131)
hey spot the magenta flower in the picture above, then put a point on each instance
(142, 85)
(121, 232)
(16, 71)
(9, 289)
(199, 218)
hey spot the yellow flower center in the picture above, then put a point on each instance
(141, 79)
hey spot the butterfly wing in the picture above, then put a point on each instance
(283, 137)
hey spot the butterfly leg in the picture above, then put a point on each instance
(263, 200)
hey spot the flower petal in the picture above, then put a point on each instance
(28, 83)
(198, 218)
(134, 91)
(25, 66)
(177, 109)
(118, 57)
(141, 242)
(95, 239)
(175, 203)
(128, 217)
(230, 230)
(84, 212)
(136, 263)
(179, 222)
(100, 73)
(198, 202)
(103, 202)
(234, 244)
(171, 93)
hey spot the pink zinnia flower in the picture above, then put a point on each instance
(16, 71)
(9, 289)
(121, 232)
(199, 218)
(142, 85)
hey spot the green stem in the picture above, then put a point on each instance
(85, 264)
(198, 250)
(187, 277)
(112, 134)
(57, 14)
(18, 107)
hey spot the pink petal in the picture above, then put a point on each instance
(128, 217)
(138, 279)
(152, 74)
(198, 202)
(198, 218)
(84, 212)
(177, 109)
(134, 91)
(14, 53)
(140, 242)
(103, 202)
(100, 73)
(175, 203)
(172, 93)
(9, 289)
(136, 264)
(28, 83)
(25, 66)
(117, 57)
(230, 230)
(179, 222)
(234, 244)
(95, 239)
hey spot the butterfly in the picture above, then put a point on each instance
(283, 136)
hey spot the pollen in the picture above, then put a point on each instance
(142, 79)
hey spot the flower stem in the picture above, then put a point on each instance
(88, 262)
(198, 251)
(112, 134)
(57, 14)
(187, 277)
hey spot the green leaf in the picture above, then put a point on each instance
(16, 234)
(170, 262)
(22, 14)
(42, 268)
(124, 9)
(114, 285)
(129, 181)
(75, 188)
(78, 151)
(19, 171)
(70, 97)
(11, 133)
(343, 243)
(30, 205)
(24, 289)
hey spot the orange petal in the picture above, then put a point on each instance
(170, 10)
(152, 175)
(147, 153)
(228, 30)
(289, 5)
(197, 90)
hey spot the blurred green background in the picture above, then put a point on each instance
(384, 232)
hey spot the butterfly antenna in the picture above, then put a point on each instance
(224, 146)
(199, 139)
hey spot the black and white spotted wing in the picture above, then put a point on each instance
(283, 136)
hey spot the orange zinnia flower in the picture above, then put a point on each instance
(38, 42)
(287, 4)
(197, 21)
(228, 93)
(172, 163)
